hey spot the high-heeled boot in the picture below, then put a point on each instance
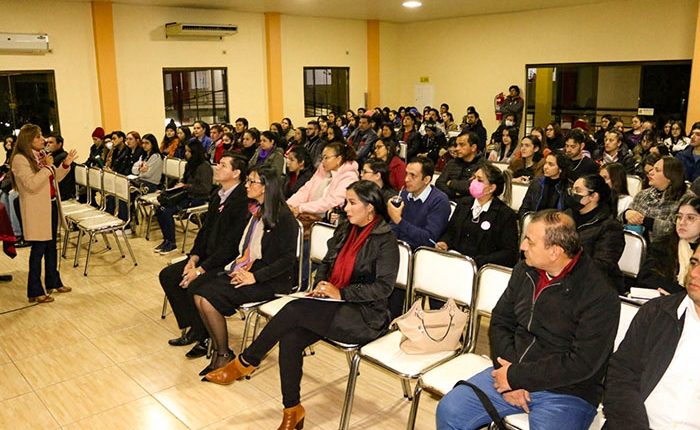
(293, 418)
(233, 371)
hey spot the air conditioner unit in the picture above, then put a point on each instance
(179, 29)
(18, 43)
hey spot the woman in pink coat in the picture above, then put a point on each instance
(33, 177)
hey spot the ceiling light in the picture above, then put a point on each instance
(412, 4)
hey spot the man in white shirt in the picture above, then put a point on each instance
(653, 379)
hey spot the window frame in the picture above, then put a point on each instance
(180, 108)
(313, 107)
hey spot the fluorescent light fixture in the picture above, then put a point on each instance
(412, 4)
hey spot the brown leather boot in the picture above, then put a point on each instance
(293, 418)
(233, 371)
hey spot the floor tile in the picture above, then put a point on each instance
(141, 414)
(26, 412)
(133, 342)
(39, 339)
(13, 383)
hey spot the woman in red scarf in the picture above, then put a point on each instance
(359, 272)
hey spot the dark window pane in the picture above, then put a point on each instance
(196, 94)
(28, 97)
(326, 89)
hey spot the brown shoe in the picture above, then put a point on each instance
(293, 418)
(63, 289)
(233, 371)
(41, 299)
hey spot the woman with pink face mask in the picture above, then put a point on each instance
(483, 227)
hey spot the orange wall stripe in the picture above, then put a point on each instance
(103, 30)
(273, 49)
(694, 94)
(373, 96)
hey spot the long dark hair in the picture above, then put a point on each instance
(369, 193)
(196, 157)
(379, 166)
(272, 137)
(273, 202)
(673, 171)
(154, 144)
(302, 156)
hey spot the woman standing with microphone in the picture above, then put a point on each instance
(33, 177)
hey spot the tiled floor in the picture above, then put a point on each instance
(98, 358)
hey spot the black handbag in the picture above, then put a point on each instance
(172, 197)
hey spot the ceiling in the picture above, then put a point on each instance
(383, 10)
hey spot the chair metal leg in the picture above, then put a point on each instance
(349, 393)
(66, 237)
(149, 218)
(119, 245)
(87, 259)
(246, 327)
(406, 387)
(165, 307)
(255, 327)
(128, 248)
(77, 248)
(107, 244)
(414, 407)
(348, 357)
(184, 239)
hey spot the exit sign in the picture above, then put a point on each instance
(645, 111)
(424, 79)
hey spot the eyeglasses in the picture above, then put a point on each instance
(573, 192)
(691, 218)
(251, 181)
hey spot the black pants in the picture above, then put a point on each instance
(46, 250)
(297, 325)
(181, 299)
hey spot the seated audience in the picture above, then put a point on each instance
(362, 139)
(239, 129)
(314, 142)
(200, 133)
(505, 152)
(197, 180)
(360, 268)
(554, 135)
(288, 130)
(654, 208)
(298, 139)
(634, 136)
(276, 127)
(432, 142)
(651, 381)
(600, 233)
(450, 153)
(690, 156)
(475, 125)
(647, 142)
(548, 360)
(455, 178)
(529, 165)
(548, 191)
(616, 178)
(98, 150)
(118, 156)
(574, 148)
(265, 265)
(667, 260)
(217, 143)
(386, 151)
(646, 166)
(299, 170)
(250, 143)
(214, 246)
(183, 135)
(149, 167)
(54, 146)
(616, 152)
(408, 135)
(677, 141)
(482, 226)
(269, 152)
(226, 145)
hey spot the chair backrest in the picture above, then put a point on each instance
(491, 282)
(634, 184)
(300, 256)
(453, 207)
(213, 173)
(108, 179)
(181, 169)
(403, 278)
(318, 240)
(122, 189)
(81, 176)
(434, 179)
(633, 255)
(456, 275)
(171, 168)
(517, 195)
(501, 165)
(627, 313)
(403, 150)
(524, 222)
(95, 179)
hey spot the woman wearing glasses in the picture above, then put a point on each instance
(667, 261)
(386, 151)
(265, 263)
(602, 238)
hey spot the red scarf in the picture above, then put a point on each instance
(544, 280)
(345, 262)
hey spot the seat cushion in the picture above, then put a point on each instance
(521, 422)
(101, 223)
(442, 378)
(387, 352)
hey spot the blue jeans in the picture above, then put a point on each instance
(164, 215)
(461, 409)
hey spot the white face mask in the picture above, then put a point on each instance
(510, 123)
(109, 144)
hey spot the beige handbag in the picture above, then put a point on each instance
(432, 330)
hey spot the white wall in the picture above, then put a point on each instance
(321, 42)
(142, 51)
(69, 26)
(470, 60)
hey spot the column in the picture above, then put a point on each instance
(103, 31)
(273, 51)
(543, 96)
(694, 94)
(373, 97)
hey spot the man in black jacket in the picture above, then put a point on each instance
(216, 244)
(551, 334)
(455, 179)
(653, 377)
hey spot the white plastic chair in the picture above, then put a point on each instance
(627, 313)
(524, 222)
(517, 195)
(457, 281)
(633, 255)
(492, 281)
(501, 165)
(634, 184)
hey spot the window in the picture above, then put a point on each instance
(326, 89)
(196, 94)
(28, 97)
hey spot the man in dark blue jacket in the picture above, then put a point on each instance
(690, 156)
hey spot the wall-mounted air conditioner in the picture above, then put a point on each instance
(18, 43)
(179, 29)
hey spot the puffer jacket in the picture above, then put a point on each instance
(333, 195)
